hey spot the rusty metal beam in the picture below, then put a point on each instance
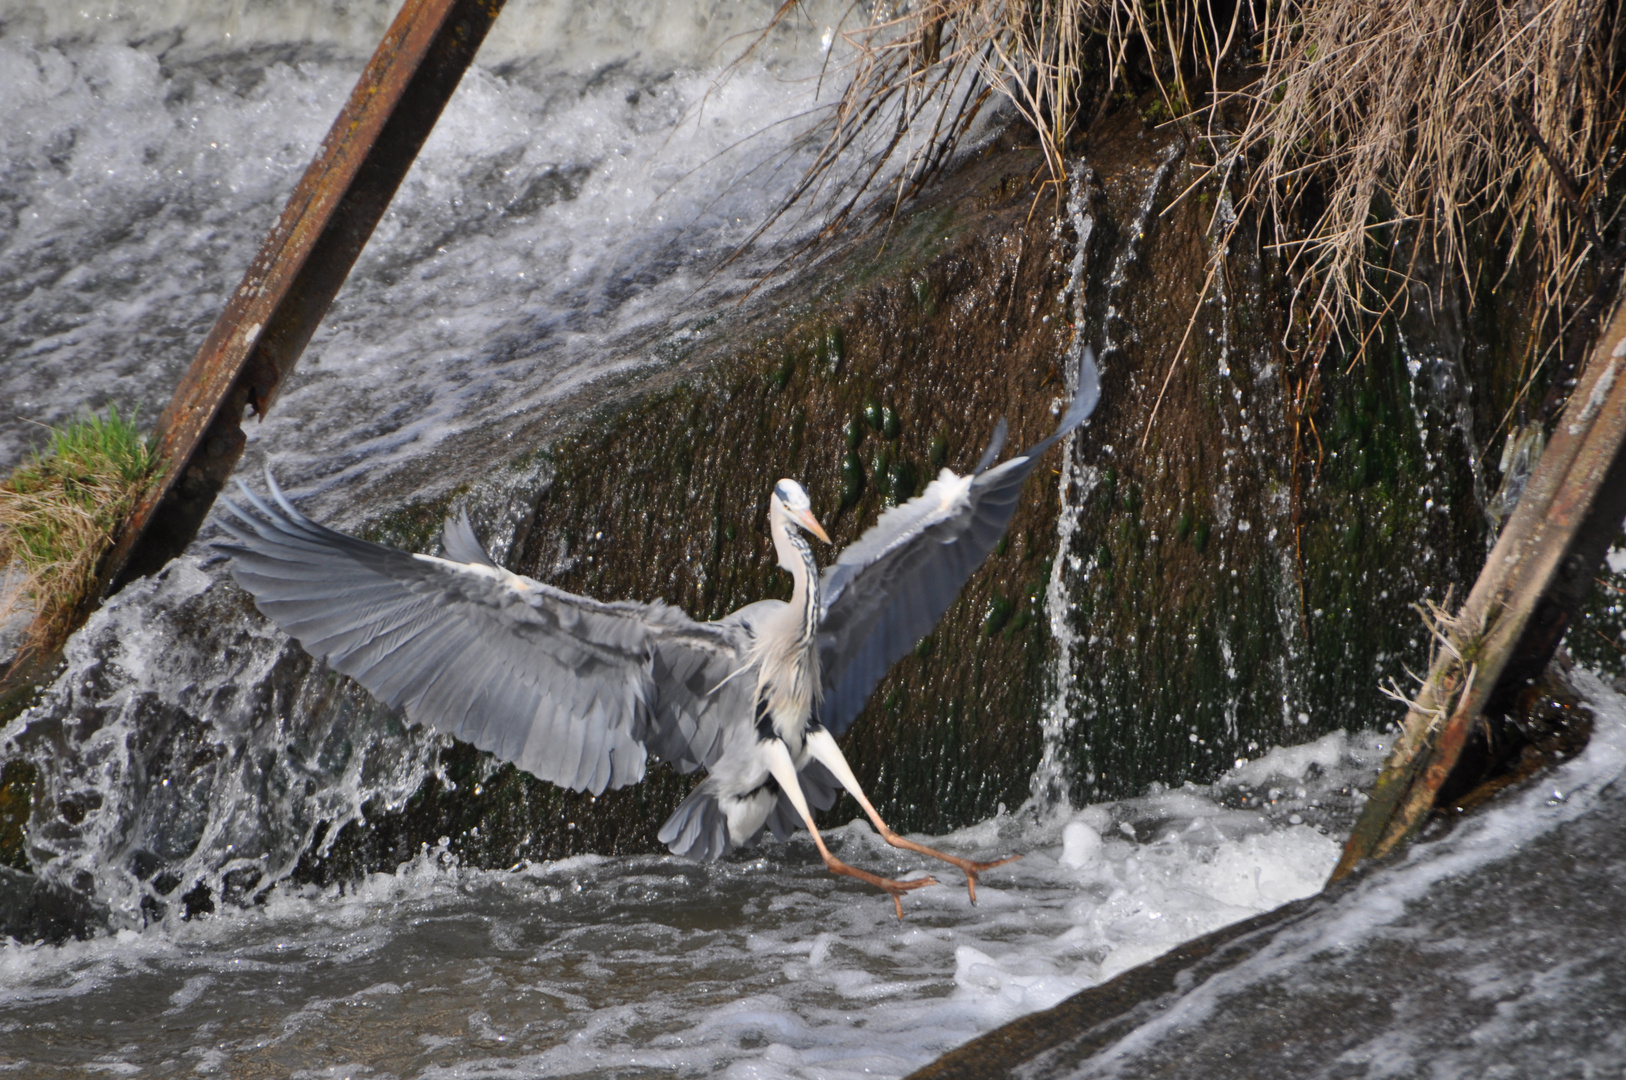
(272, 315)
(1531, 587)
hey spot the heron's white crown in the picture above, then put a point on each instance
(793, 495)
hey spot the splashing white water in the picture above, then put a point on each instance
(759, 967)
(1049, 785)
(572, 201)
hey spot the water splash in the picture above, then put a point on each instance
(746, 967)
(187, 744)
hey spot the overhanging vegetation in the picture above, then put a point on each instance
(1362, 138)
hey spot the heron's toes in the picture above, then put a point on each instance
(972, 869)
(897, 888)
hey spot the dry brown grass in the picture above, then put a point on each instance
(1435, 116)
(57, 516)
(1357, 131)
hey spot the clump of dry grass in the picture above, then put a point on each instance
(919, 74)
(1357, 131)
(57, 516)
(1433, 116)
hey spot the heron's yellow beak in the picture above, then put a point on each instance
(812, 523)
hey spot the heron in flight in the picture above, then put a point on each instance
(583, 693)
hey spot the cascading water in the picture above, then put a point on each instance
(575, 195)
(571, 204)
(1050, 781)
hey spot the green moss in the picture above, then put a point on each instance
(852, 479)
(999, 613)
(925, 296)
(853, 431)
(833, 348)
(901, 485)
(891, 428)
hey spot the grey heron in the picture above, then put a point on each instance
(583, 693)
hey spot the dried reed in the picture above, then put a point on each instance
(1358, 130)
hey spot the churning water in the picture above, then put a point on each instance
(564, 219)
(756, 967)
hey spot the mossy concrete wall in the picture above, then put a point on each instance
(891, 361)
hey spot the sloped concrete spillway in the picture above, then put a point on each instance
(535, 332)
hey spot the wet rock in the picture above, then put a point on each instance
(36, 910)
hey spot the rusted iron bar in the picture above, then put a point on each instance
(271, 317)
(1532, 585)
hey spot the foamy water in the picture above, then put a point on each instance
(563, 223)
(1494, 951)
(755, 967)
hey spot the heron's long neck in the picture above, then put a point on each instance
(797, 557)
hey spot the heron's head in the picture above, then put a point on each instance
(791, 500)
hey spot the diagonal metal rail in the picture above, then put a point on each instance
(299, 269)
(1533, 583)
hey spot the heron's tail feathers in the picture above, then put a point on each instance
(698, 828)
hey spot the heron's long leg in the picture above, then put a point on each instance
(784, 771)
(822, 746)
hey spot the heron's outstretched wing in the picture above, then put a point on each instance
(888, 589)
(572, 690)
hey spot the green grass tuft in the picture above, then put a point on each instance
(58, 513)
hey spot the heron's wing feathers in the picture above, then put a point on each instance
(461, 545)
(572, 690)
(890, 588)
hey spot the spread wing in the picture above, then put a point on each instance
(890, 588)
(572, 690)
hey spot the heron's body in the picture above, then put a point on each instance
(581, 692)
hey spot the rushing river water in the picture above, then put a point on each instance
(567, 212)
(755, 967)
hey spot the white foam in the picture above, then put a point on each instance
(1292, 762)
(1495, 833)
(561, 224)
(764, 967)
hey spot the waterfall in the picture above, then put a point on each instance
(1050, 784)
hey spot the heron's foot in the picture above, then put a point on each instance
(893, 887)
(968, 867)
